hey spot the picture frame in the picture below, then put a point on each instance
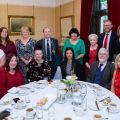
(16, 22)
(66, 23)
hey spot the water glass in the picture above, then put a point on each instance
(51, 114)
(39, 112)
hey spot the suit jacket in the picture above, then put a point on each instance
(112, 39)
(107, 75)
(54, 50)
(78, 70)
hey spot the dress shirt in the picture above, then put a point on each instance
(109, 35)
(49, 41)
(103, 66)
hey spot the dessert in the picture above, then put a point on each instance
(43, 101)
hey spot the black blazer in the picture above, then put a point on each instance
(78, 70)
(54, 49)
(107, 76)
(112, 39)
(116, 46)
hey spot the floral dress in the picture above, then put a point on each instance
(37, 71)
(25, 51)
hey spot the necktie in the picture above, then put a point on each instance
(48, 50)
(106, 41)
(100, 67)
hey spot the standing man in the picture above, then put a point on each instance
(106, 39)
(49, 46)
(101, 72)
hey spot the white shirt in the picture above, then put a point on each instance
(49, 41)
(103, 66)
(109, 35)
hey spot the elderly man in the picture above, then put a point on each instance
(49, 46)
(107, 38)
(3, 78)
(101, 71)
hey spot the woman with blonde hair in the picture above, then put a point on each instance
(115, 87)
(25, 49)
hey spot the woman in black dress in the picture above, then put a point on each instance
(38, 68)
(70, 65)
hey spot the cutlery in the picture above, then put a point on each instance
(96, 103)
(104, 99)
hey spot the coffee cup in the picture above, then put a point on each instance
(29, 112)
(113, 106)
(97, 117)
(67, 118)
(20, 104)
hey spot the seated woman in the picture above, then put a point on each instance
(3, 78)
(115, 87)
(38, 68)
(70, 65)
(13, 73)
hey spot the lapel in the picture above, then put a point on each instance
(43, 44)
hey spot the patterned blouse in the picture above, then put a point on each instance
(25, 51)
(37, 71)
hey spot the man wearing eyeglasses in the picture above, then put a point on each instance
(107, 38)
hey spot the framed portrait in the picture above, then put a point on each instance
(66, 23)
(16, 22)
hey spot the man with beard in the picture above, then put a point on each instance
(101, 72)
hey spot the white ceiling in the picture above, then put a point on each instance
(43, 3)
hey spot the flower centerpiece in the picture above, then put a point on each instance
(69, 83)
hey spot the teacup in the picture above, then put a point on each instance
(29, 112)
(113, 106)
(97, 117)
(20, 104)
(67, 118)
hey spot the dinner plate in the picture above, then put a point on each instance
(23, 91)
(71, 77)
(51, 99)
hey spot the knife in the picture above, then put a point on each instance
(104, 99)
(96, 103)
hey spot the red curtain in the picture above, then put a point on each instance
(113, 12)
(86, 13)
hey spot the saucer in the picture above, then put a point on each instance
(16, 107)
(114, 111)
(13, 116)
(29, 117)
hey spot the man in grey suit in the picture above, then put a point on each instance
(101, 72)
(49, 46)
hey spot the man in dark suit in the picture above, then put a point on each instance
(101, 72)
(107, 38)
(49, 46)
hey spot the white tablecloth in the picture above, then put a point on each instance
(66, 109)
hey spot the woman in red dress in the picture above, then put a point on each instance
(3, 78)
(115, 87)
(13, 73)
(91, 52)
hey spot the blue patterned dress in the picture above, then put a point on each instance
(25, 51)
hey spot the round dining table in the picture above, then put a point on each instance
(33, 92)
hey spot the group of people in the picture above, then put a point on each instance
(29, 60)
